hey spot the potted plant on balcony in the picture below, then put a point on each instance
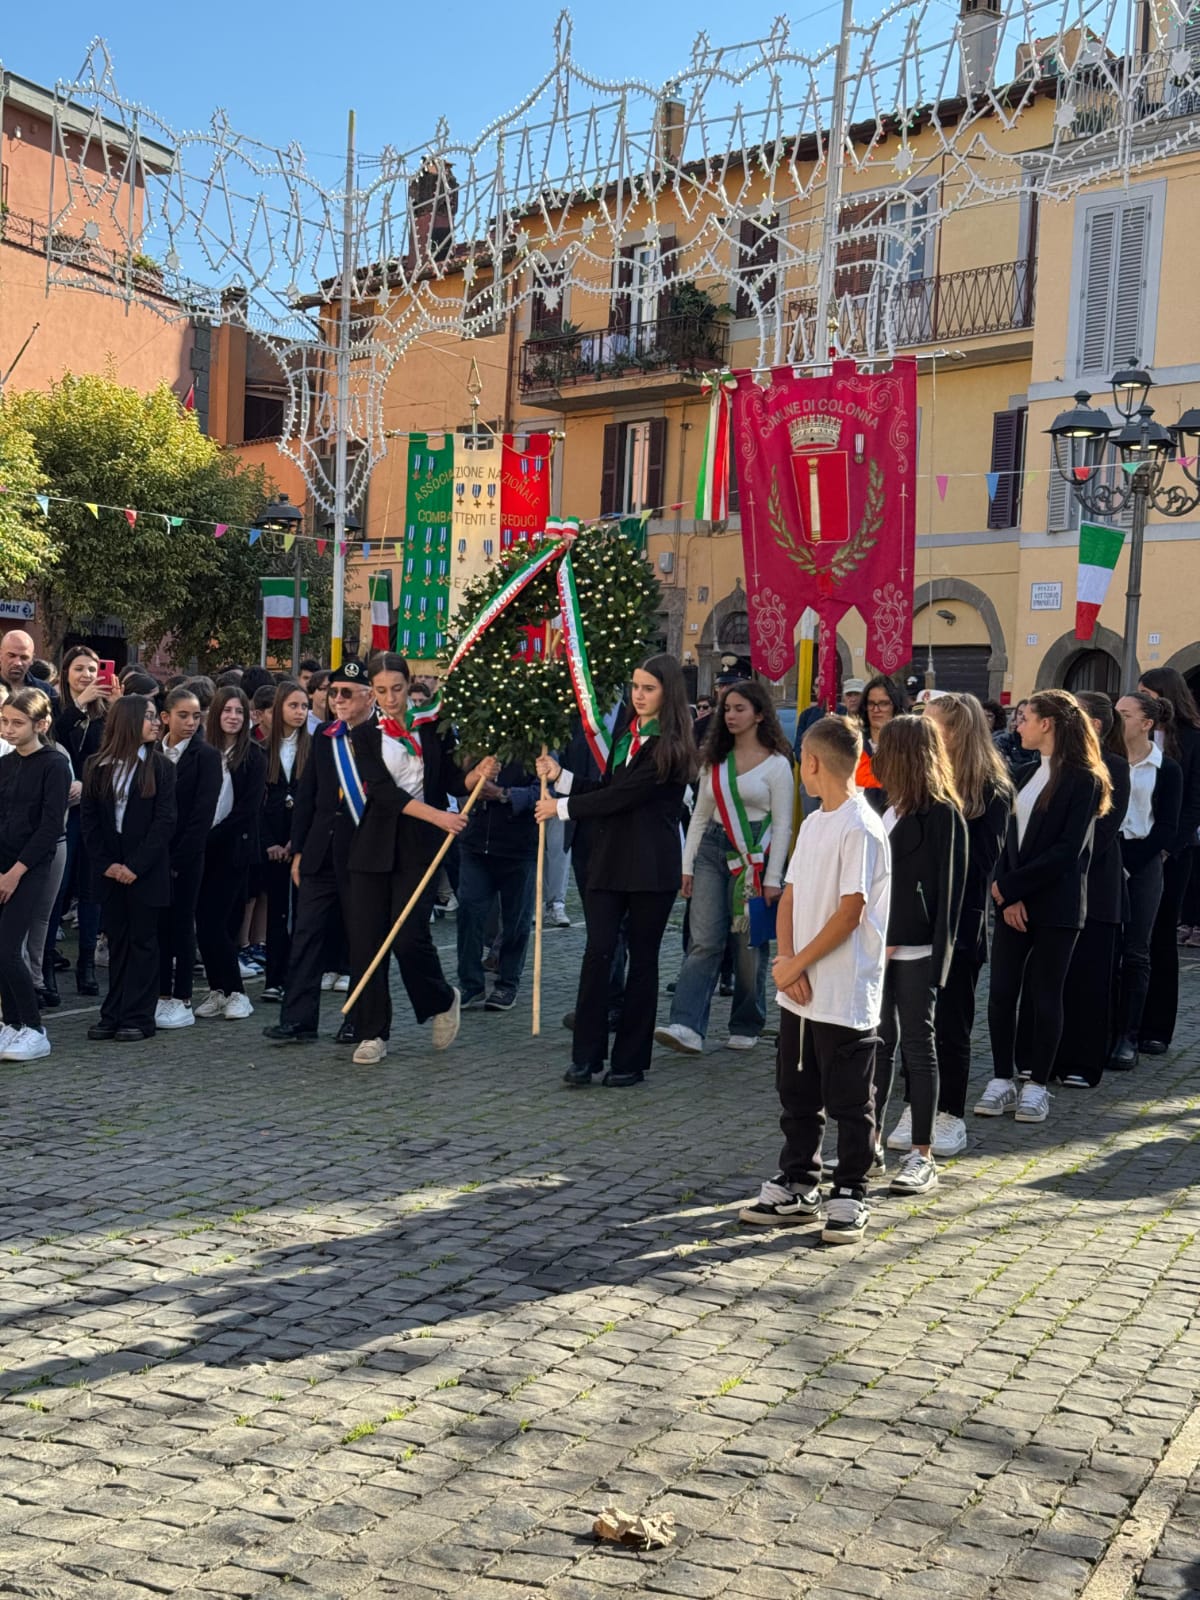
(694, 335)
(559, 362)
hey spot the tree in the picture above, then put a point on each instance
(99, 442)
(26, 547)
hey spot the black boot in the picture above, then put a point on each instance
(85, 975)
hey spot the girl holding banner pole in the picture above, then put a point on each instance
(736, 852)
(636, 866)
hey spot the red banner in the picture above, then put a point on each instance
(524, 488)
(826, 472)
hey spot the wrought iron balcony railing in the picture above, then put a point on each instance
(665, 345)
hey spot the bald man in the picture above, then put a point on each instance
(16, 657)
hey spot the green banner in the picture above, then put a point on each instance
(425, 570)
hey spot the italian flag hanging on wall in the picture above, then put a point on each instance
(278, 599)
(1099, 549)
(380, 589)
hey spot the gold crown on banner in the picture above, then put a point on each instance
(821, 433)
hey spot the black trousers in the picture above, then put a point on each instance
(177, 931)
(909, 998)
(645, 914)
(1144, 890)
(1089, 1008)
(376, 900)
(954, 1020)
(321, 900)
(278, 879)
(1043, 955)
(580, 857)
(1162, 997)
(17, 991)
(823, 1069)
(133, 959)
(219, 911)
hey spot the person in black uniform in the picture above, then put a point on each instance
(78, 729)
(128, 819)
(408, 772)
(322, 827)
(197, 786)
(288, 750)
(636, 867)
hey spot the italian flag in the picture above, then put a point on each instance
(380, 590)
(1099, 549)
(278, 600)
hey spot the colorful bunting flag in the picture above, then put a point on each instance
(43, 501)
(221, 527)
(943, 483)
(993, 483)
(131, 517)
(93, 508)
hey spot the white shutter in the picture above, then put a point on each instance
(1129, 290)
(1099, 242)
(1062, 512)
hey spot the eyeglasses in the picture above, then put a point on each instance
(342, 692)
(879, 705)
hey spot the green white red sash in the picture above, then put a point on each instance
(712, 486)
(594, 730)
(747, 856)
(504, 597)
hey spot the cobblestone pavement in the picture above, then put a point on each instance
(272, 1319)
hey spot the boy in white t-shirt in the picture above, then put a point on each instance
(832, 928)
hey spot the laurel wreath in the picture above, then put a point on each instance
(848, 556)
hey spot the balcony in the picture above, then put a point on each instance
(1103, 97)
(952, 306)
(666, 356)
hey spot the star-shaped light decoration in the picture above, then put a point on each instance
(469, 272)
(588, 227)
(551, 295)
(1064, 117)
(1182, 65)
(171, 261)
(652, 232)
(902, 161)
(521, 240)
(91, 231)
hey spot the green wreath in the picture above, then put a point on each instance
(504, 706)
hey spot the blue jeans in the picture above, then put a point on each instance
(480, 880)
(710, 924)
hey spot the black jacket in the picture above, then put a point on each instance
(385, 835)
(1106, 875)
(143, 845)
(986, 834)
(636, 843)
(321, 825)
(197, 788)
(1189, 806)
(235, 839)
(279, 803)
(1049, 870)
(506, 830)
(1164, 826)
(78, 734)
(929, 864)
(33, 806)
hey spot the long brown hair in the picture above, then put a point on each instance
(675, 747)
(94, 708)
(119, 749)
(912, 765)
(216, 737)
(1075, 744)
(718, 741)
(275, 738)
(974, 760)
(1171, 686)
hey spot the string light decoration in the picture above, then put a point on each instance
(511, 692)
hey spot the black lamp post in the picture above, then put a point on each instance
(281, 516)
(1081, 437)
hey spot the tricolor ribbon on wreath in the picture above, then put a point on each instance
(748, 856)
(712, 488)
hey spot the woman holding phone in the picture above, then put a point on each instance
(86, 690)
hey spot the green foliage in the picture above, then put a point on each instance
(510, 708)
(25, 545)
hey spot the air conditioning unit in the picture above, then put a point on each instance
(666, 561)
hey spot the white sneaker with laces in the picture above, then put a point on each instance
(742, 1041)
(173, 1014)
(1034, 1104)
(370, 1052)
(7, 1034)
(557, 915)
(248, 969)
(446, 1024)
(846, 1218)
(341, 983)
(328, 979)
(999, 1096)
(900, 1137)
(27, 1045)
(676, 1037)
(781, 1205)
(213, 1004)
(237, 1006)
(917, 1175)
(949, 1135)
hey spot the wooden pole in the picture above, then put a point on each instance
(382, 952)
(537, 917)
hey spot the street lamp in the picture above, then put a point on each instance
(281, 516)
(1081, 437)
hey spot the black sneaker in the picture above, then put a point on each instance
(285, 1033)
(1153, 1047)
(472, 1002)
(580, 1077)
(1124, 1057)
(781, 1205)
(623, 1080)
(846, 1218)
(501, 998)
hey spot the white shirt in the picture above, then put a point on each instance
(1027, 798)
(287, 753)
(407, 770)
(174, 752)
(1143, 775)
(904, 952)
(766, 790)
(839, 853)
(225, 798)
(122, 783)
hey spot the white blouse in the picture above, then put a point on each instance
(225, 798)
(407, 770)
(287, 753)
(766, 789)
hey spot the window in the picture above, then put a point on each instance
(758, 252)
(634, 465)
(1113, 321)
(639, 299)
(1008, 462)
(486, 312)
(263, 418)
(546, 308)
(1063, 511)
(906, 236)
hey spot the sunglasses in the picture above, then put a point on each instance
(342, 693)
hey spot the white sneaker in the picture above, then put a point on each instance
(999, 1096)
(100, 959)
(213, 1004)
(370, 1052)
(328, 979)
(341, 983)
(900, 1137)
(557, 915)
(917, 1175)
(1034, 1104)
(676, 1037)
(27, 1045)
(248, 969)
(949, 1135)
(7, 1034)
(741, 1041)
(237, 1006)
(174, 1014)
(446, 1024)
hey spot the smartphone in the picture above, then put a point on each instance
(106, 676)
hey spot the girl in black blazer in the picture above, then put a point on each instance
(78, 729)
(635, 869)
(128, 817)
(197, 786)
(986, 795)
(1040, 891)
(928, 840)
(288, 747)
(231, 848)
(408, 773)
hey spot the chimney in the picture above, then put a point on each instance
(668, 132)
(432, 205)
(979, 40)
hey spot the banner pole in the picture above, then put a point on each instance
(538, 917)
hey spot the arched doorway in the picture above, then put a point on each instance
(1093, 669)
(1070, 663)
(733, 633)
